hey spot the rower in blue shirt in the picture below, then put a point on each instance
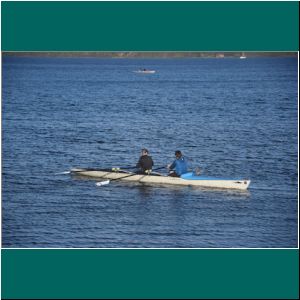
(179, 165)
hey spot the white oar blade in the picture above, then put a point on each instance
(100, 183)
(66, 172)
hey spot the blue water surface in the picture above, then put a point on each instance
(230, 117)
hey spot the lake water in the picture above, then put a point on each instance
(231, 117)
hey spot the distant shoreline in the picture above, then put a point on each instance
(146, 54)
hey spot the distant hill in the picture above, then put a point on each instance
(150, 54)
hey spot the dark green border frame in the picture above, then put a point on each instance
(150, 26)
(142, 273)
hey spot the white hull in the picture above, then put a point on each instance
(203, 182)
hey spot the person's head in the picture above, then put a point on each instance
(178, 154)
(145, 151)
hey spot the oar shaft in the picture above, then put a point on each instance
(133, 174)
(111, 169)
(137, 174)
(123, 177)
(102, 169)
(159, 168)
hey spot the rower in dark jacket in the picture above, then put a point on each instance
(145, 163)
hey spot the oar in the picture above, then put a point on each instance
(84, 170)
(61, 173)
(97, 169)
(100, 183)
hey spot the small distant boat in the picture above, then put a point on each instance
(145, 71)
(243, 56)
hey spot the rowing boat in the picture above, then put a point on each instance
(188, 179)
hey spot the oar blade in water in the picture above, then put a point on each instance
(100, 183)
(61, 173)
